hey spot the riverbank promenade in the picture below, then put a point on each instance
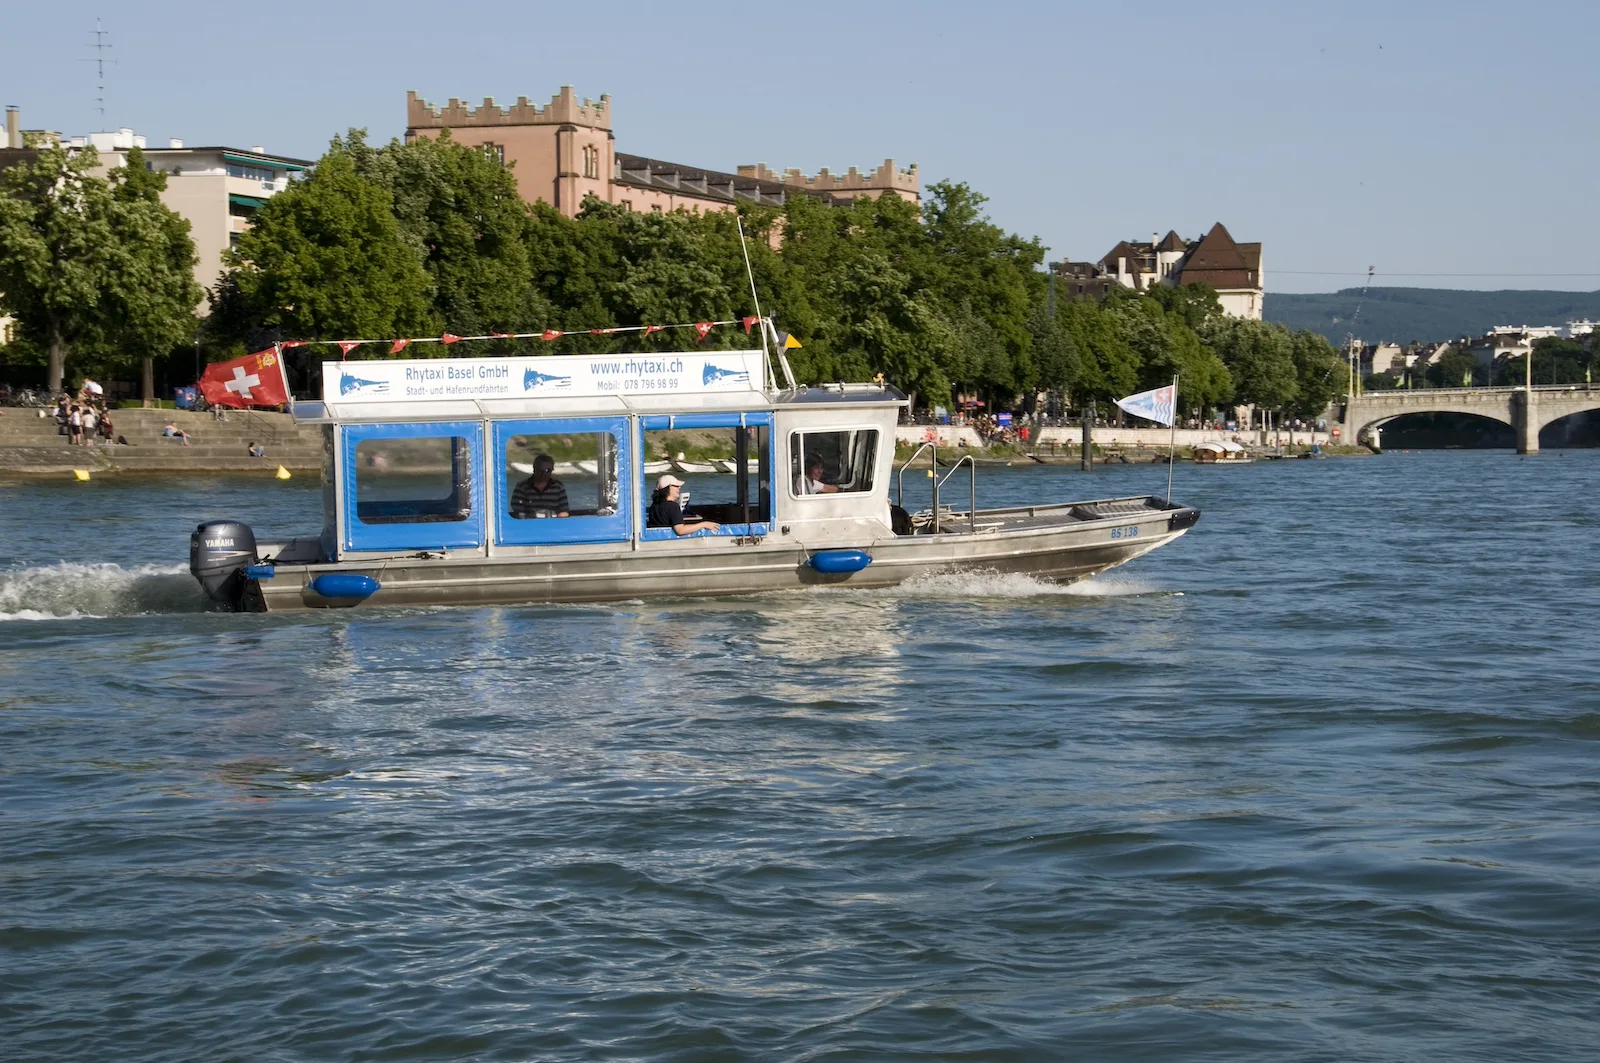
(30, 444)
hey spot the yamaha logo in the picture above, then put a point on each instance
(219, 542)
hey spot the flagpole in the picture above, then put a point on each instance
(283, 371)
(1172, 438)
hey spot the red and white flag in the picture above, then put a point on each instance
(397, 346)
(748, 323)
(551, 334)
(254, 380)
(447, 339)
(701, 328)
(346, 346)
(653, 328)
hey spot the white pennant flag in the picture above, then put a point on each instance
(1154, 405)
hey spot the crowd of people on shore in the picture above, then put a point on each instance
(84, 419)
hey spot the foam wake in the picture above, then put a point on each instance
(67, 590)
(969, 585)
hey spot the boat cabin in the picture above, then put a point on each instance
(1221, 452)
(426, 456)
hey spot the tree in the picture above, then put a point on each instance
(461, 213)
(1259, 357)
(1167, 347)
(1320, 373)
(325, 258)
(153, 299)
(59, 250)
(1454, 369)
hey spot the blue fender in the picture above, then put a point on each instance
(840, 561)
(345, 585)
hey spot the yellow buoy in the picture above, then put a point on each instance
(282, 473)
(80, 474)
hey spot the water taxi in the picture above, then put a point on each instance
(430, 494)
(1221, 452)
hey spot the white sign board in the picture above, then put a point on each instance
(586, 376)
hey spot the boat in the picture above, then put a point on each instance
(422, 459)
(1221, 452)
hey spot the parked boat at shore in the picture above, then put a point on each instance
(425, 460)
(1221, 452)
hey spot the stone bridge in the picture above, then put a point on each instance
(1525, 410)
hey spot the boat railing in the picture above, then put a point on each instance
(933, 473)
(972, 481)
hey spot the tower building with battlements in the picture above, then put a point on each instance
(566, 150)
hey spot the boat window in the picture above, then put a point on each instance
(582, 480)
(416, 480)
(727, 471)
(820, 462)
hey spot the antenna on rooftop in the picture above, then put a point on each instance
(100, 45)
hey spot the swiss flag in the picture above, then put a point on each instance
(346, 346)
(254, 380)
(653, 328)
(551, 334)
(447, 339)
(703, 327)
(397, 346)
(748, 323)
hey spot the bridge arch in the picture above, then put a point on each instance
(1361, 415)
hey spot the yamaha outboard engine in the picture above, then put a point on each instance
(219, 553)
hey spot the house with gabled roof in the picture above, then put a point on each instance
(1232, 268)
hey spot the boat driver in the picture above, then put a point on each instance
(667, 512)
(811, 483)
(540, 495)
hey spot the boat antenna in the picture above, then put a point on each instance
(766, 358)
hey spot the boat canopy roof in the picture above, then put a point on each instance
(685, 382)
(1220, 446)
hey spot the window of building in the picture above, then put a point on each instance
(822, 461)
(726, 468)
(582, 480)
(627, 204)
(417, 480)
(591, 162)
(252, 173)
(497, 152)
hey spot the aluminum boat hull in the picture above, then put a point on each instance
(1061, 543)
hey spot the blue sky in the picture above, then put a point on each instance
(1455, 140)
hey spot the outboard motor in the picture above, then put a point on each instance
(219, 553)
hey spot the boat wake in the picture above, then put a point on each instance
(69, 590)
(966, 586)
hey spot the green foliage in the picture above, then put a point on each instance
(1320, 373)
(326, 258)
(1453, 369)
(93, 268)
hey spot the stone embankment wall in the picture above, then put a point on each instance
(29, 443)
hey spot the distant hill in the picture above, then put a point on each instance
(1401, 315)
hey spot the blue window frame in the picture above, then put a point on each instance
(754, 480)
(593, 466)
(413, 486)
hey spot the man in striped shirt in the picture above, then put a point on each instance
(540, 495)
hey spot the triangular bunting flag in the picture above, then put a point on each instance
(346, 346)
(787, 342)
(703, 327)
(748, 323)
(397, 346)
(653, 328)
(501, 335)
(601, 331)
(447, 339)
(551, 334)
(286, 344)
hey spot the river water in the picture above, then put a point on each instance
(1317, 782)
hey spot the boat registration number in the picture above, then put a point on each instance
(1125, 533)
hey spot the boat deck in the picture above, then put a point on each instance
(1031, 518)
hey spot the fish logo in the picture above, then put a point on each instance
(533, 380)
(348, 383)
(717, 375)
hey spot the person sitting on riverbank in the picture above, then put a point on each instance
(540, 495)
(172, 431)
(667, 512)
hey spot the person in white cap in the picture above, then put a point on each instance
(666, 512)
